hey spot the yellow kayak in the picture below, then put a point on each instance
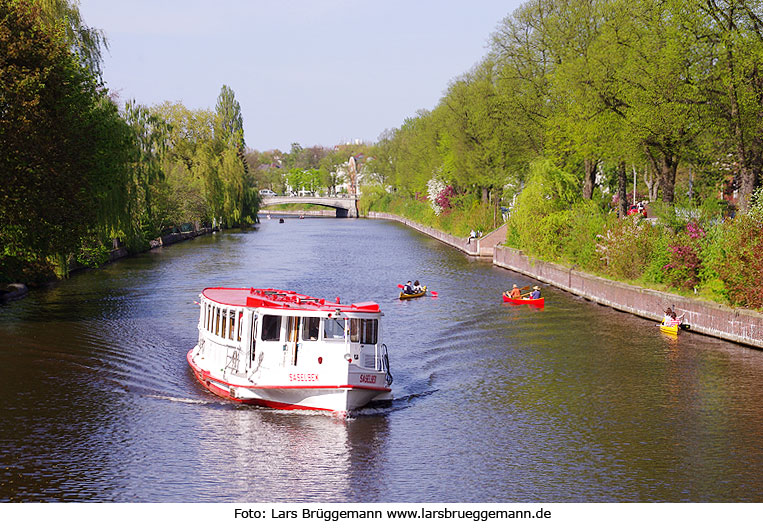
(416, 295)
(670, 329)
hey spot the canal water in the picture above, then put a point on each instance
(493, 402)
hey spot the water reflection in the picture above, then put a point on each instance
(493, 401)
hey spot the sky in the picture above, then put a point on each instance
(320, 72)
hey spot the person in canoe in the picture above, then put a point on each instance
(408, 288)
(416, 287)
(535, 294)
(514, 293)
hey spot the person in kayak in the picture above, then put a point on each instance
(515, 293)
(416, 287)
(408, 288)
(671, 319)
(668, 318)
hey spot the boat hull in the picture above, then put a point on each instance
(339, 398)
(670, 329)
(540, 302)
(417, 295)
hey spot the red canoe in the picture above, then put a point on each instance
(540, 302)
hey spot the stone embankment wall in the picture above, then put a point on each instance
(466, 245)
(172, 238)
(737, 325)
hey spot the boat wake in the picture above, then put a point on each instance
(385, 407)
(182, 400)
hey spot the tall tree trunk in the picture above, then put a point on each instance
(652, 185)
(666, 167)
(747, 146)
(747, 176)
(622, 190)
(748, 183)
(589, 177)
(668, 177)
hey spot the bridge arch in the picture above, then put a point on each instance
(345, 207)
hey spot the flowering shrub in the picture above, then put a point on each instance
(440, 195)
(435, 186)
(443, 198)
(684, 264)
(682, 271)
(694, 230)
(741, 268)
(625, 249)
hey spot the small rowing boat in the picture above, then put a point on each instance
(540, 302)
(414, 295)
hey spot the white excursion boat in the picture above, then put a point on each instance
(285, 350)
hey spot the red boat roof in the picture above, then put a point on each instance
(280, 299)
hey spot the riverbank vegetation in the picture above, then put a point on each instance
(80, 169)
(581, 109)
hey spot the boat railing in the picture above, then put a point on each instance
(385, 364)
(233, 360)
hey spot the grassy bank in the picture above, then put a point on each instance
(460, 220)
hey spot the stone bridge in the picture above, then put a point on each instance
(345, 207)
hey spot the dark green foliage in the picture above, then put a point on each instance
(76, 174)
(61, 143)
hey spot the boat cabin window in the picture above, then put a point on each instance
(217, 320)
(224, 324)
(364, 331)
(333, 329)
(231, 324)
(310, 328)
(271, 328)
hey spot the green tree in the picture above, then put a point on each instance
(62, 146)
(734, 28)
(237, 201)
(230, 122)
(147, 189)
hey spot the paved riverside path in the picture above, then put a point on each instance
(486, 245)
